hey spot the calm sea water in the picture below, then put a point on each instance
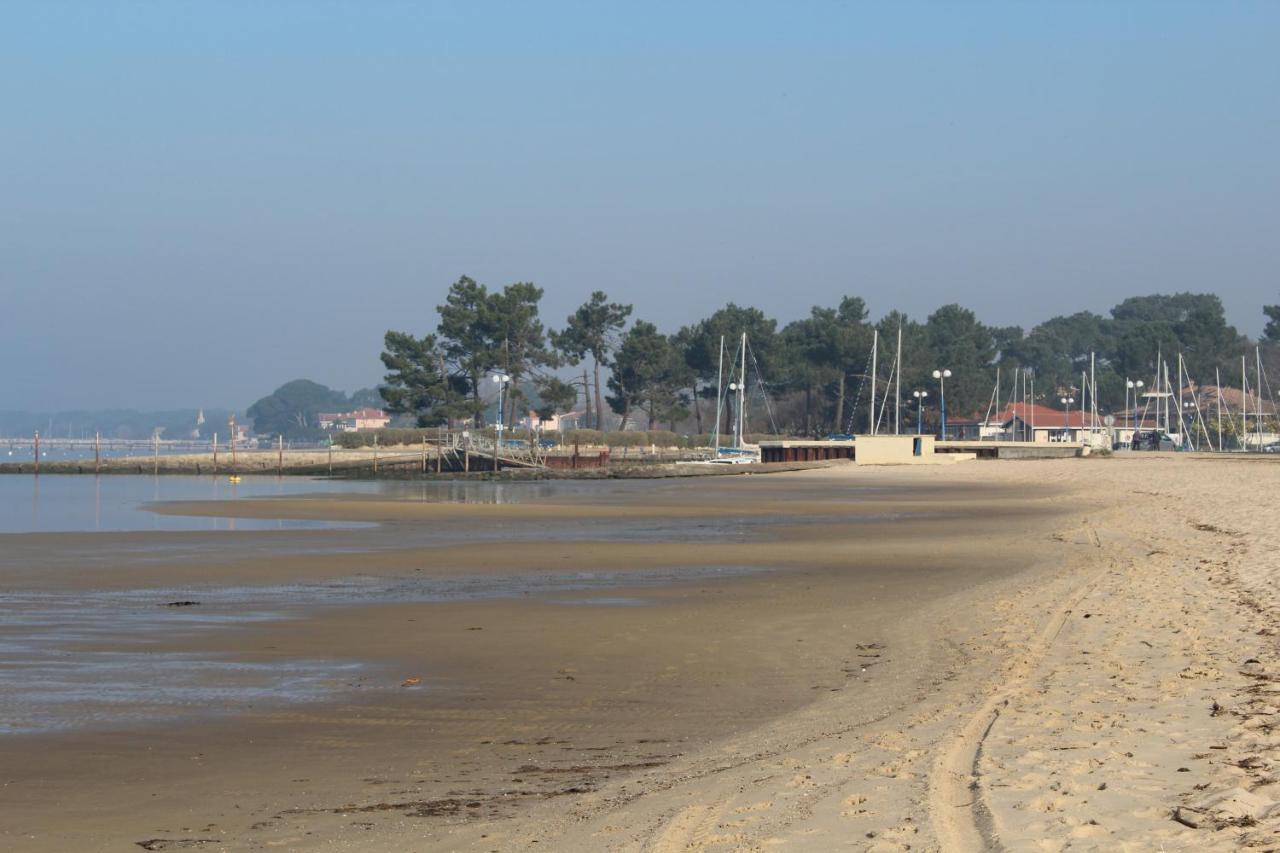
(72, 503)
(101, 657)
(66, 503)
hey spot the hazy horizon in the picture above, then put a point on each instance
(202, 203)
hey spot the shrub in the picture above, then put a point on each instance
(663, 438)
(386, 437)
(626, 439)
(583, 436)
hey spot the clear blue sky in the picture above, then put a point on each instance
(199, 201)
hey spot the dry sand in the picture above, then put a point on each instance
(1037, 655)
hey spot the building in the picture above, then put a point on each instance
(555, 423)
(1033, 422)
(356, 421)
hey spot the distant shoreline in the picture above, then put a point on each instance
(357, 464)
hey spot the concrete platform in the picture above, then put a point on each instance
(863, 450)
(1011, 449)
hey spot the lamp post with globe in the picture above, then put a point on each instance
(919, 395)
(942, 376)
(502, 380)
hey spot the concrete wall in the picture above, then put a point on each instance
(893, 449)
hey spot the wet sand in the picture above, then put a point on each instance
(834, 685)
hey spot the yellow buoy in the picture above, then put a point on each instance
(235, 478)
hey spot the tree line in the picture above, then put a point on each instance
(815, 370)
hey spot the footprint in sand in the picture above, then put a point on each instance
(853, 807)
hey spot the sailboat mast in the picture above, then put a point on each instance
(1159, 386)
(1244, 407)
(1217, 392)
(897, 388)
(1093, 391)
(1084, 386)
(1163, 367)
(742, 390)
(1033, 405)
(719, 396)
(1182, 427)
(1257, 390)
(997, 408)
(875, 350)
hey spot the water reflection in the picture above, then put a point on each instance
(74, 503)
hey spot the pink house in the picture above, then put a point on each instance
(357, 421)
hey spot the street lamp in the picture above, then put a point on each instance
(1067, 401)
(737, 388)
(502, 381)
(919, 395)
(1137, 389)
(942, 376)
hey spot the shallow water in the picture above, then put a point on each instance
(67, 503)
(75, 503)
(103, 658)
(99, 659)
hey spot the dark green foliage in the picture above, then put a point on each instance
(291, 410)
(481, 332)
(555, 395)
(1191, 323)
(959, 343)
(815, 370)
(648, 373)
(1272, 332)
(417, 383)
(593, 330)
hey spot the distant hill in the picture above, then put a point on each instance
(116, 423)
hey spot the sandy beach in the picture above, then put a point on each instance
(1067, 654)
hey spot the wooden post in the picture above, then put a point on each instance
(97, 452)
(375, 453)
(37, 452)
(215, 453)
(280, 455)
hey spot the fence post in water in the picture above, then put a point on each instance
(97, 452)
(36, 444)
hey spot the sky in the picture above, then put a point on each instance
(201, 201)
